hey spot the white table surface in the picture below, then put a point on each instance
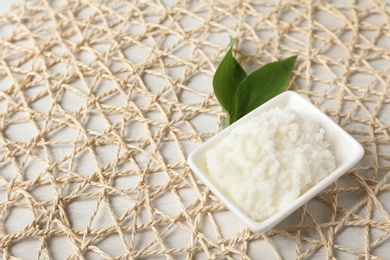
(28, 248)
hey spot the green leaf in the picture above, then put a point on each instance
(262, 85)
(226, 79)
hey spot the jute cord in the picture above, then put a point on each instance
(102, 101)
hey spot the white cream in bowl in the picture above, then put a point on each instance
(346, 151)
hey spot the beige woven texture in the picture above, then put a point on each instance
(102, 101)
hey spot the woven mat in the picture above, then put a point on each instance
(102, 101)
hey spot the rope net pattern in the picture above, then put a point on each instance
(102, 101)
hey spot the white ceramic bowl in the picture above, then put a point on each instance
(346, 149)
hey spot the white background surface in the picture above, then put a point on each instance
(5, 5)
(62, 249)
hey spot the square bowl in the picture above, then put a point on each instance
(347, 152)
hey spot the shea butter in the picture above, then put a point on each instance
(267, 162)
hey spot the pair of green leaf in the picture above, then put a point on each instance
(239, 93)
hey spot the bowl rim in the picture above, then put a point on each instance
(265, 225)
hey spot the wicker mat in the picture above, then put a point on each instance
(102, 101)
